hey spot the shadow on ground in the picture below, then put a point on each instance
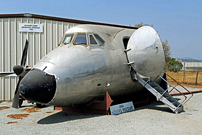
(158, 105)
(64, 116)
(33, 105)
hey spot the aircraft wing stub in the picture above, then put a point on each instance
(4, 74)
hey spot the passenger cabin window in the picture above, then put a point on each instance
(68, 38)
(80, 39)
(92, 40)
(99, 39)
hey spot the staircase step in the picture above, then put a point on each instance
(175, 103)
(161, 95)
(168, 98)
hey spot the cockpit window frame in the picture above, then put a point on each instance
(92, 34)
(63, 38)
(99, 40)
(87, 38)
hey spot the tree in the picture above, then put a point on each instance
(142, 24)
(166, 49)
(174, 65)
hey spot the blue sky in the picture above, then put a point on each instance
(178, 21)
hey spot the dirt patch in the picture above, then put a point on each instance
(31, 110)
(49, 112)
(18, 116)
(12, 122)
(4, 107)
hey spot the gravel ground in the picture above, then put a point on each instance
(154, 118)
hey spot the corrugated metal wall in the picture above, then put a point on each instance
(12, 43)
(192, 64)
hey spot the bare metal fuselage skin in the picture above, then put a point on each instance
(83, 72)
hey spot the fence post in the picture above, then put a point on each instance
(196, 78)
(184, 73)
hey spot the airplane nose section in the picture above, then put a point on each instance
(38, 86)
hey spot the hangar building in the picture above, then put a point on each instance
(192, 66)
(44, 34)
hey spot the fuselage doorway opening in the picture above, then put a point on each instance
(125, 42)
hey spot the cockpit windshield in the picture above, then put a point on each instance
(68, 38)
(80, 39)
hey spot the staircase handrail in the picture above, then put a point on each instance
(181, 92)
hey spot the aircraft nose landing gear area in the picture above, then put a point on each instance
(38, 86)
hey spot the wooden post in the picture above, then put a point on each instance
(196, 78)
(184, 74)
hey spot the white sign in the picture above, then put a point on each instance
(122, 108)
(29, 27)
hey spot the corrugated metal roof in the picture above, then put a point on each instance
(60, 19)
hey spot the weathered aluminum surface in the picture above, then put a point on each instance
(146, 52)
(84, 73)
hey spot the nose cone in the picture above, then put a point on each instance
(38, 86)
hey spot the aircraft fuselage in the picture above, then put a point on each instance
(75, 73)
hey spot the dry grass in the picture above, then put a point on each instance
(189, 79)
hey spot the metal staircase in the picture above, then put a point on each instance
(163, 95)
